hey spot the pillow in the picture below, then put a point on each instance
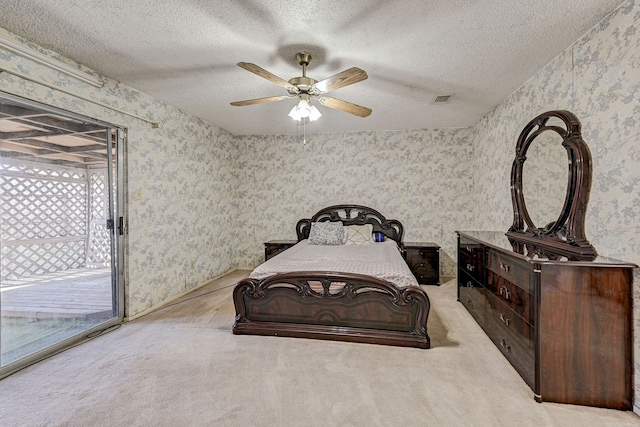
(359, 234)
(326, 233)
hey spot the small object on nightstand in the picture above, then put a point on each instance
(378, 237)
(423, 258)
(274, 247)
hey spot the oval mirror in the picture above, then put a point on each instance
(545, 176)
(550, 183)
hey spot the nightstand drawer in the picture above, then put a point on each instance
(274, 247)
(423, 260)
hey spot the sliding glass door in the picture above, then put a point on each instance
(60, 225)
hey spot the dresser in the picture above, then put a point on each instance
(565, 326)
(423, 259)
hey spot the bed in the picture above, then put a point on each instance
(337, 303)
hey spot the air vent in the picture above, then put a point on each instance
(441, 99)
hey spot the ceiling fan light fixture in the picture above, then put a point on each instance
(304, 109)
(296, 111)
(314, 114)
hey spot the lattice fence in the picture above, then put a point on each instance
(99, 239)
(44, 218)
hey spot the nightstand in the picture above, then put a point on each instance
(274, 247)
(423, 258)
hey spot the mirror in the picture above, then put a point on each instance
(545, 178)
(551, 192)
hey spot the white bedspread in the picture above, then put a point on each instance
(381, 260)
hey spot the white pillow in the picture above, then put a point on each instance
(326, 233)
(359, 234)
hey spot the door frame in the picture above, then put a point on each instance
(118, 220)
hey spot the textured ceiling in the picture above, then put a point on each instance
(185, 52)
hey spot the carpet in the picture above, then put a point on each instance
(182, 366)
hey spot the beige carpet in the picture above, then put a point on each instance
(182, 366)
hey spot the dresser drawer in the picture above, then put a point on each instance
(519, 328)
(469, 245)
(472, 250)
(471, 263)
(512, 269)
(467, 280)
(512, 295)
(520, 357)
(474, 299)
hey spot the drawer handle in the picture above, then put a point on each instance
(504, 267)
(471, 267)
(505, 347)
(505, 320)
(470, 303)
(504, 291)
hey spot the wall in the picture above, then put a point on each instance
(421, 177)
(598, 79)
(180, 200)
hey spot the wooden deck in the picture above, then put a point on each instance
(71, 293)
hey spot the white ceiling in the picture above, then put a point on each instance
(185, 52)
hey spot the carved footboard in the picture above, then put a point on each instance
(333, 306)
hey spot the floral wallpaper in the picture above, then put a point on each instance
(598, 79)
(422, 178)
(201, 201)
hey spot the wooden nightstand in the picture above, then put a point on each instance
(274, 247)
(423, 258)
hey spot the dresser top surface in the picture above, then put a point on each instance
(499, 240)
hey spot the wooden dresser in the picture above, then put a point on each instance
(565, 326)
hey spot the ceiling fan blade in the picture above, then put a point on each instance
(342, 79)
(260, 100)
(345, 106)
(259, 71)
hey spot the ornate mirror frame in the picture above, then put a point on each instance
(565, 236)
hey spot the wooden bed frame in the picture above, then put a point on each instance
(365, 309)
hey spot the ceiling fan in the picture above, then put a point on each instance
(305, 89)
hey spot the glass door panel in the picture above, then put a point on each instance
(58, 275)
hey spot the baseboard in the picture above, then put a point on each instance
(182, 294)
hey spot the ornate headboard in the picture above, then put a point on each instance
(353, 215)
